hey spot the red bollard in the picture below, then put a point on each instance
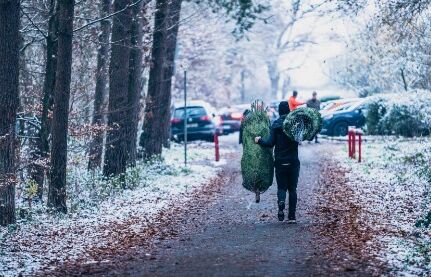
(351, 136)
(217, 150)
(360, 146)
(353, 144)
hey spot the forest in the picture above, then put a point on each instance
(75, 72)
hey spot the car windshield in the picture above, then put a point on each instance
(358, 105)
(191, 112)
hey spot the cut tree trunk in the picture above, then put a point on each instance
(135, 82)
(39, 166)
(115, 161)
(171, 47)
(96, 145)
(57, 186)
(9, 102)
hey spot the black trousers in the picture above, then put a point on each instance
(287, 175)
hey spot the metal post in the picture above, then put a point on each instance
(185, 118)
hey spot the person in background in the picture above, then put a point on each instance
(314, 103)
(293, 102)
(286, 163)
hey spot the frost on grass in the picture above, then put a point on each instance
(101, 212)
(392, 187)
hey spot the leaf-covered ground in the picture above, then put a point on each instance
(375, 212)
(119, 220)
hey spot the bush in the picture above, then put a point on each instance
(402, 114)
(376, 111)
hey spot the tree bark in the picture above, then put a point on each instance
(285, 88)
(135, 82)
(242, 89)
(38, 167)
(57, 186)
(116, 155)
(274, 77)
(9, 102)
(158, 101)
(171, 46)
(96, 145)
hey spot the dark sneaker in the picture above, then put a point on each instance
(281, 207)
(291, 220)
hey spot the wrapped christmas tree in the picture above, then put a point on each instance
(257, 162)
(302, 124)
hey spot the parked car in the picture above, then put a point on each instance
(202, 121)
(333, 105)
(231, 117)
(337, 123)
(328, 98)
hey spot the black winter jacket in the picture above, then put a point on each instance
(286, 150)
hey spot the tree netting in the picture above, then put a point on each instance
(302, 124)
(257, 163)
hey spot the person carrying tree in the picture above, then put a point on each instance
(314, 103)
(293, 102)
(286, 163)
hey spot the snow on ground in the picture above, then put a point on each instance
(100, 211)
(392, 186)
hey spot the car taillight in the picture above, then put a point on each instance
(237, 116)
(205, 118)
(175, 120)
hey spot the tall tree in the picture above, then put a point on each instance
(42, 152)
(60, 119)
(116, 155)
(9, 102)
(171, 47)
(135, 81)
(96, 145)
(156, 98)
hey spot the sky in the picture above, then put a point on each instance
(331, 33)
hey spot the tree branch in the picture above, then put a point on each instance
(111, 15)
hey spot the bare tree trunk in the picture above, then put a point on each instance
(9, 102)
(157, 102)
(135, 82)
(242, 90)
(96, 145)
(116, 145)
(57, 186)
(171, 46)
(285, 88)
(274, 77)
(38, 167)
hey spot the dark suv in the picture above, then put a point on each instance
(338, 122)
(202, 122)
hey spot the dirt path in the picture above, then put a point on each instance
(233, 236)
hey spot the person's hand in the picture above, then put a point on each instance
(256, 139)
